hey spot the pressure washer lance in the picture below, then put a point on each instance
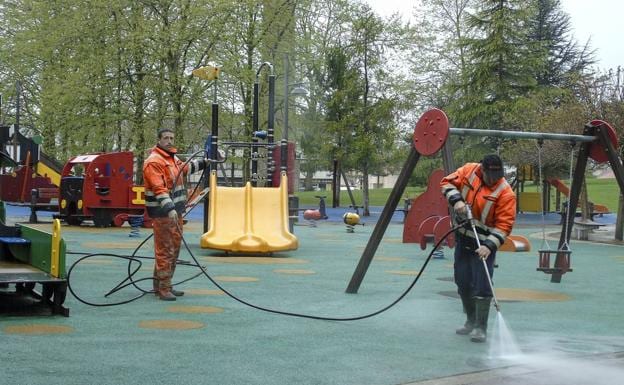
(487, 273)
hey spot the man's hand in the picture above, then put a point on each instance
(483, 252)
(460, 208)
(173, 215)
(220, 158)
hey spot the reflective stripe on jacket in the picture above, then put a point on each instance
(159, 170)
(494, 208)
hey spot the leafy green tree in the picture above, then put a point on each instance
(359, 115)
(255, 38)
(342, 85)
(438, 57)
(319, 28)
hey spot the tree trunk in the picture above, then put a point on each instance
(309, 177)
(139, 121)
(366, 209)
(336, 185)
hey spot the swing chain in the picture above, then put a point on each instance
(565, 245)
(540, 146)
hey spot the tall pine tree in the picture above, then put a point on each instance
(501, 63)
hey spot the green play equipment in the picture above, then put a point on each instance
(28, 257)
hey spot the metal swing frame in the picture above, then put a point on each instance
(430, 135)
(603, 144)
(597, 142)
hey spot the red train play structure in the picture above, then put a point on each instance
(100, 187)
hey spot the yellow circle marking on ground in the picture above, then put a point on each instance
(170, 324)
(226, 278)
(255, 260)
(38, 329)
(391, 259)
(294, 271)
(203, 292)
(403, 272)
(507, 294)
(194, 309)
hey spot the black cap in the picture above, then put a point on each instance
(492, 165)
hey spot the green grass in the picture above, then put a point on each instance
(602, 191)
(377, 197)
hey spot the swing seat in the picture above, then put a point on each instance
(562, 255)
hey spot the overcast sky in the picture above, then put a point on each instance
(602, 21)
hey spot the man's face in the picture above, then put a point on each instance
(488, 180)
(166, 140)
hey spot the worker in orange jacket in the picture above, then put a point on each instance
(481, 188)
(165, 202)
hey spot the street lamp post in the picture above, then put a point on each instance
(293, 202)
(211, 72)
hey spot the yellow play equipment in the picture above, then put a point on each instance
(249, 219)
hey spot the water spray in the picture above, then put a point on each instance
(487, 272)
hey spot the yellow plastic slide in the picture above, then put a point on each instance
(45, 170)
(249, 219)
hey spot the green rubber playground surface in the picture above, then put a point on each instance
(206, 337)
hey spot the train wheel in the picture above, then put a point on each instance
(102, 218)
(70, 215)
(73, 221)
(119, 219)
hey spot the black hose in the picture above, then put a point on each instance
(409, 288)
(133, 258)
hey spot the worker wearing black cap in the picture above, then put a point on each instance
(492, 202)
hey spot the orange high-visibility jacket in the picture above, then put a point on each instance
(494, 208)
(159, 170)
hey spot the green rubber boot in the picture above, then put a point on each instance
(479, 334)
(469, 308)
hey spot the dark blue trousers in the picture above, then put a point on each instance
(470, 276)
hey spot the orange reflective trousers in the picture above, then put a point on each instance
(167, 240)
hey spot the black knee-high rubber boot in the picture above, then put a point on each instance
(479, 334)
(468, 303)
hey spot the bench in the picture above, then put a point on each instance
(583, 228)
(45, 193)
(407, 205)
